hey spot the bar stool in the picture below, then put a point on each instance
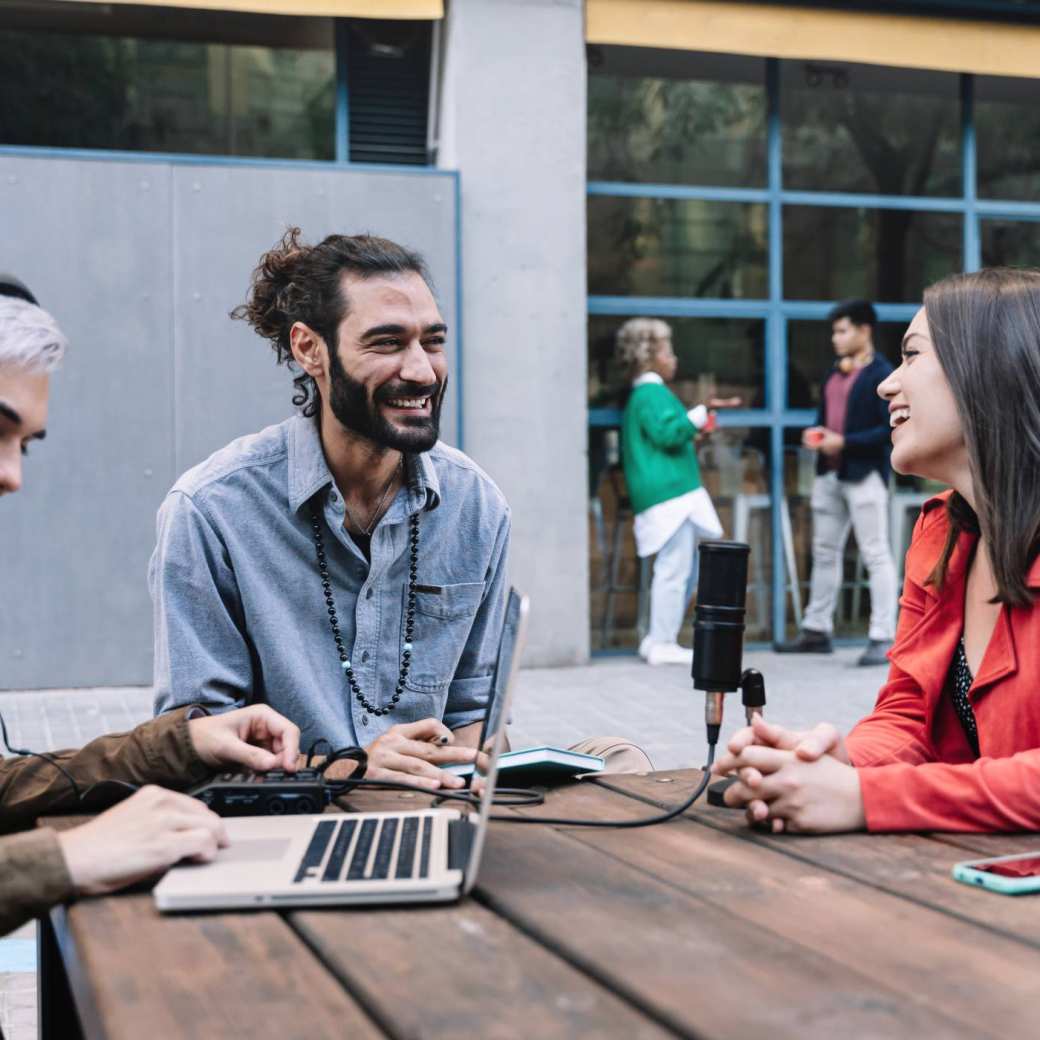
(744, 505)
(623, 516)
(730, 461)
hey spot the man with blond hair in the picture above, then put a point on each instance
(672, 509)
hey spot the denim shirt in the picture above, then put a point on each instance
(239, 611)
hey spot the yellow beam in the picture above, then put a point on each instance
(806, 33)
(431, 9)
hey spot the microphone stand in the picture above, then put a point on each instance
(753, 696)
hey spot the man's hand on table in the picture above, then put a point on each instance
(412, 753)
(791, 780)
(256, 738)
(139, 838)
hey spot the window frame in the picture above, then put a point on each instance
(775, 309)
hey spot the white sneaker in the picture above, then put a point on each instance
(644, 647)
(669, 653)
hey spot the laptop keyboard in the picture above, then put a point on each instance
(346, 849)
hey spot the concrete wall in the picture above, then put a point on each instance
(513, 124)
(140, 262)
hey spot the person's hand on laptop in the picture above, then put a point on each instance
(139, 838)
(412, 753)
(256, 738)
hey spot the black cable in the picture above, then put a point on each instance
(321, 742)
(538, 799)
(44, 757)
(617, 824)
(512, 795)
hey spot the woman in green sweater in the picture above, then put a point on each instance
(672, 509)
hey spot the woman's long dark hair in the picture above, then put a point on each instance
(986, 331)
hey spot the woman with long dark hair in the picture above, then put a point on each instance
(953, 742)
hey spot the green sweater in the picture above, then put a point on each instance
(657, 447)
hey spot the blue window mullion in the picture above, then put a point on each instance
(969, 174)
(342, 35)
(776, 338)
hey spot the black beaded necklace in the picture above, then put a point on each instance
(409, 619)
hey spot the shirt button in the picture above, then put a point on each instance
(364, 720)
(333, 497)
(368, 594)
(364, 657)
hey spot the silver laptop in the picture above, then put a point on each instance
(345, 859)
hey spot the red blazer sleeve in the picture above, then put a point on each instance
(990, 794)
(897, 730)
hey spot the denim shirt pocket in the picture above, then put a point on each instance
(443, 620)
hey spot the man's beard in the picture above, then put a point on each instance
(356, 411)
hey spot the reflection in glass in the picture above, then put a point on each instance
(810, 356)
(1007, 127)
(676, 247)
(888, 255)
(85, 91)
(1010, 243)
(865, 128)
(675, 118)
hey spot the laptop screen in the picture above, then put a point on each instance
(492, 734)
(495, 715)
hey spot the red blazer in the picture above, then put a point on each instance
(915, 765)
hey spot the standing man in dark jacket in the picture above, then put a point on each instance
(852, 438)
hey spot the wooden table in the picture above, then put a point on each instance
(696, 928)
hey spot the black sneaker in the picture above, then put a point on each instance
(876, 653)
(809, 642)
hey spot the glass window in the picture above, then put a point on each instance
(1007, 127)
(886, 254)
(1010, 243)
(810, 356)
(865, 128)
(90, 91)
(677, 247)
(673, 117)
(718, 357)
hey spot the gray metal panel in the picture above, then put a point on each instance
(92, 240)
(140, 263)
(227, 382)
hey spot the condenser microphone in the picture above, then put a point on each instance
(718, 628)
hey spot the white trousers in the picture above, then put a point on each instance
(837, 507)
(674, 581)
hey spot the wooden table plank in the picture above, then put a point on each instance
(928, 957)
(138, 973)
(701, 970)
(912, 866)
(212, 975)
(460, 971)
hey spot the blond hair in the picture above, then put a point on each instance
(29, 337)
(637, 341)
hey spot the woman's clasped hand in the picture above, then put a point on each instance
(786, 780)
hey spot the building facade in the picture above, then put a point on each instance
(730, 167)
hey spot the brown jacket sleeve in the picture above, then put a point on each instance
(33, 876)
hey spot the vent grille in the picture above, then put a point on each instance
(388, 78)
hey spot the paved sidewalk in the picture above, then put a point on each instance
(616, 696)
(655, 707)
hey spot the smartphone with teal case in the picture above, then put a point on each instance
(1009, 875)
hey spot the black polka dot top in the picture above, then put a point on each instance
(959, 681)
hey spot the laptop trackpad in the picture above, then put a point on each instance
(254, 850)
